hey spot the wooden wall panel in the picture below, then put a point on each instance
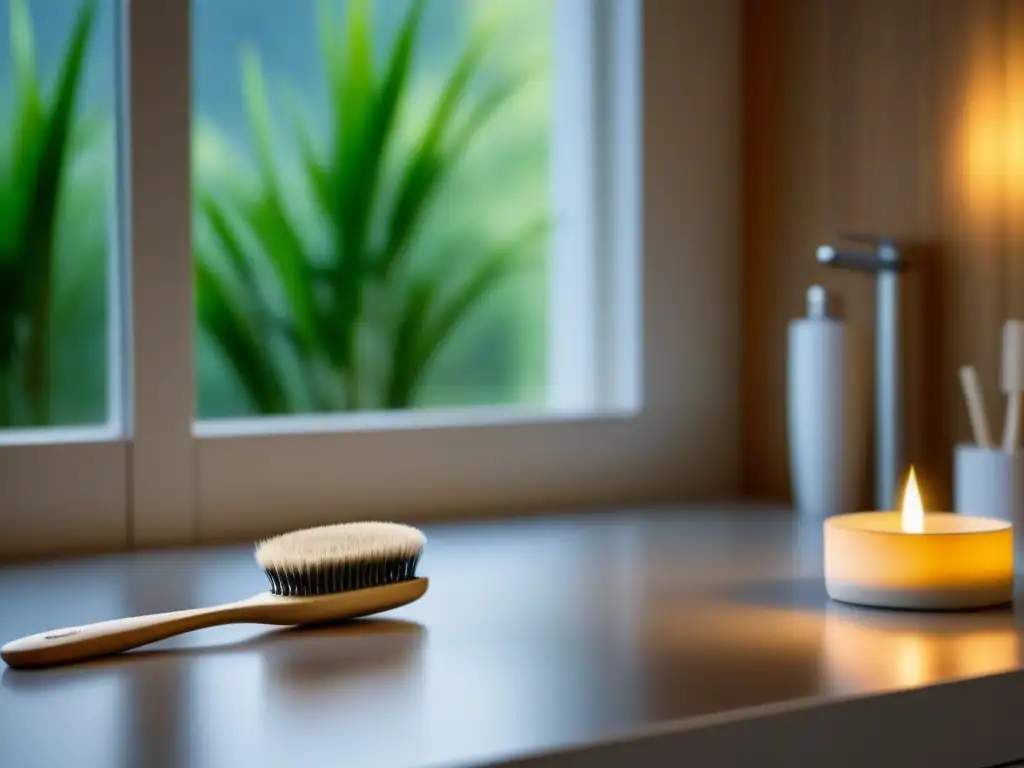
(903, 119)
(785, 178)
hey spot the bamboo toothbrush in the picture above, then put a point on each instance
(322, 574)
(975, 406)
(1012, 381)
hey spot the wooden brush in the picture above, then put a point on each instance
(316, 575)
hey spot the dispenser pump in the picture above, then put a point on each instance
(817, 302)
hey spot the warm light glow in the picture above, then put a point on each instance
(913, 509)
(991, 127)
(912, 654)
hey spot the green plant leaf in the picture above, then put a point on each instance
(14, 194)
(311, 163)
(487, 106)
(221, 314)
(369, 149)
(37, 235)
(231, 245)
(251, 303)
(404, 351)
(87, 133)
(366, 118)
(352, 90)
(27, 130)
(429, 163)
(23, 48)
(257, 110)
(353, 100)
(268, 217)
(429, 318)
(331, 49)
(9, 312)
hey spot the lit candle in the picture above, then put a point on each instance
(917, 560)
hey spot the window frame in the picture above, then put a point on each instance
(166, 483)
(68, 489)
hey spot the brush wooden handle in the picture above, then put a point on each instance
(71, 644)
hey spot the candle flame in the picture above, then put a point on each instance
(913, 509)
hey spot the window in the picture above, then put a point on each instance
(372, 216)
(59, 233)
(62, 411)
(381, 255)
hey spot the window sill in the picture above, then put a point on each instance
(434, 418)
(105, 433)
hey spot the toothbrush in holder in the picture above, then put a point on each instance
(1012, 380)
(975, 406)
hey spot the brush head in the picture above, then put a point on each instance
(336, 558)
(1013, 356)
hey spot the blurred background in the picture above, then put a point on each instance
(901, 119)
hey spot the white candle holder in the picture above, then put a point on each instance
(989, 482)
(957, 562)
(918, 560)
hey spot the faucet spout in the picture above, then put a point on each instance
(885, 262)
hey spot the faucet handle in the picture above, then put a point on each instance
(884, 258)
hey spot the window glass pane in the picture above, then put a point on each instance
(58, 233)
(371, 204)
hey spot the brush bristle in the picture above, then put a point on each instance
(336, 558)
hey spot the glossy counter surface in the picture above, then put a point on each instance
(535, 635)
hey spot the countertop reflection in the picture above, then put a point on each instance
(535, 634)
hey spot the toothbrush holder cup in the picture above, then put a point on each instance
(988, 482)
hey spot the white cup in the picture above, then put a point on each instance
(988, 482)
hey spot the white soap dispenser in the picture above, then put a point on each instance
(823, 442)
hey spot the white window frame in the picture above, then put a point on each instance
(130, 482)
(69, 489)
(172, 482)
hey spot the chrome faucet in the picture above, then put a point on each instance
(885, 262)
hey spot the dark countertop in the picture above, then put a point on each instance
(536, 635)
